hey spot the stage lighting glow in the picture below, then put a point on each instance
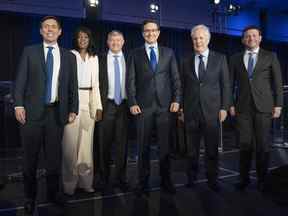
(93, 3)
(154, 8)
(216, 1)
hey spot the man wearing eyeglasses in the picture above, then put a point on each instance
(154, 93)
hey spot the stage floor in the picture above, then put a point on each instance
(197, 201)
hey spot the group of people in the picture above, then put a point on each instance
(60, 95)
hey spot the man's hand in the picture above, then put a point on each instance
(20, 115)
(232, 111)
(99, 115)
(174, 107)
(135, 110)
(72, 117)
(276, 112)
(222, 115)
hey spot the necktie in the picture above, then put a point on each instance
(117, 81)
(49, 74)
(201, 68)
(250, 66)
(153, 59)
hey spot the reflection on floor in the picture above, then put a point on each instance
(198, 201)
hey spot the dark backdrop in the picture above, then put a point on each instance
(18, 30)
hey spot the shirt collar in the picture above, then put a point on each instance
(120, 53)
(147, 46)
(55, 46)
(204, 54)
(255, 51)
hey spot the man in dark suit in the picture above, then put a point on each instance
(46, 98)
(113, 127)
(154, 92)
(259, 98)
(206, 95)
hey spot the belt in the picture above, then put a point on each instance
(85, 88)
(52, 104)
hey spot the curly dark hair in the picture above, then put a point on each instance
(91, 46)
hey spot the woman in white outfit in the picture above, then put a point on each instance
(78, 136)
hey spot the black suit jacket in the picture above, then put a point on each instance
(103, 78)
(213, 93)
(265, 87)
(29, 90)
(143, 85)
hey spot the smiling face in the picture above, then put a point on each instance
(50, 31)
(83, 40)
(200, 39)
(251, 39)
(115, 42)
(151, 33)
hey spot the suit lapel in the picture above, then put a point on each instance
(210, 63)
(61, 74)
(42, 59)
(260, 59)
(192, 66)
(105, 74)
(146, 59)
(160, 60)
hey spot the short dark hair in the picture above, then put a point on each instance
(51, 17)
(250, 27)
(145, 22)
(91, 46)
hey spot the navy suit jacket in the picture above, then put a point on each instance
(29, 90)
(143, 85)
(212, 94)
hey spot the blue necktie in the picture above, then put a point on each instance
(250, 66)
(201, 68)
(49, 74)
(153, 59)
(117, 84)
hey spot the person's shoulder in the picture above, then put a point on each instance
(33, 47)
(166, 49)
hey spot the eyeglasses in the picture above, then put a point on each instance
(150, 30)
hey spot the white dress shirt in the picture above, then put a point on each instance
(205, 55)
(111, 74)
(254, 55)
(56, 69)
(148, 50)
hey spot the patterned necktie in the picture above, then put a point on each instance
(201, 68)
(49, 74)
(153, 59)
(250, 66)
(117, 81)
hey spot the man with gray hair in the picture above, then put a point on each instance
(206, 98)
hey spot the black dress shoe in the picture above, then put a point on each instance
(261, 187)
(141, 190)
(58, 199)
(168, 186)
(214, 186)
(29, 207)
(242, 185)
(122, 185)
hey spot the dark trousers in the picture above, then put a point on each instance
(254, 135)
(157, 119)
(46, 133)
(113, 129)
(196, 129)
